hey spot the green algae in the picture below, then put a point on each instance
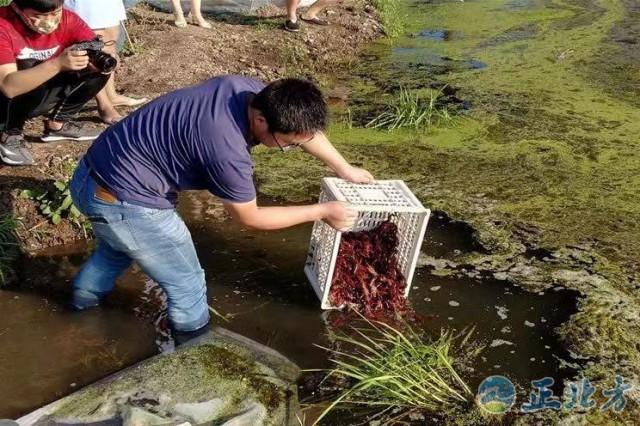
(195, 374)
(547, 156)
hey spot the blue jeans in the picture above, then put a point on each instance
(156, 239)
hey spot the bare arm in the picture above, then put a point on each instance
(337, 214)
(322, 149)
(15, 83)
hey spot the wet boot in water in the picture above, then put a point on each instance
(182, 337)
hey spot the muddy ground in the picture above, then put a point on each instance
(165, 58)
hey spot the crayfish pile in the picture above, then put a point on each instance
(367, 277)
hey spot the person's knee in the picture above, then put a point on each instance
(95, 82)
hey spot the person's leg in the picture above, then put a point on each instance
(77, 92)
(196, 14)
(179, 20)
(14, 113)
(292, 16)
(311, 14)
(106, 110)
(97, 276)
(166, 254)
(117, 99)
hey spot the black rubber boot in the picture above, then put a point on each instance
(182, 337)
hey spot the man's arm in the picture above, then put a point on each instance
(15, 83)
(322, 149)
(337, 214)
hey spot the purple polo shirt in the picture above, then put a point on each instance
(193, 138)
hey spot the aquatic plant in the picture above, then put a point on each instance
(397, 370)
(8, 245)
(410, 110)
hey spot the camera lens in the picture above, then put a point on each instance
(104, 62)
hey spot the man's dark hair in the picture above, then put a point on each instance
(292, 105)
(42, 6)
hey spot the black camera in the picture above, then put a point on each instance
(104, 62)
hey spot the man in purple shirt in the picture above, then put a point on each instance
(194, 138)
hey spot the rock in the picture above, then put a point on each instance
(254, 415)
(134, 416)
(221, 378)
(200, 412)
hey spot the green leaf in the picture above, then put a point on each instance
(27, 193)
(60, 186)
(56, 219)
(68, 202)
(74, 211)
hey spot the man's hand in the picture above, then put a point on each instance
(72, 60)
(340, 215)
(355, 175)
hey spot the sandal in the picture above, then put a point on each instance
(111, 121)
(180, 22)
(132, 102)
(201, 23)
(315, 20)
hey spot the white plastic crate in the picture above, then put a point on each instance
(375, 202)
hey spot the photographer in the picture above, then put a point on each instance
(42, 74)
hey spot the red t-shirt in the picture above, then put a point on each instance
(19, 42)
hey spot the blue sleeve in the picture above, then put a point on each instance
(231, 180)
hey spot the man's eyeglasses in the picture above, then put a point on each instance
(284, 147)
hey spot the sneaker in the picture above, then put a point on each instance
(292, 26)
(13, 150)
(70, 131)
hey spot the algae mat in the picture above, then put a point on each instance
(542, 158)
(220, 378)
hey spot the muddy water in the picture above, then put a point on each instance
(47, 352)
(256, 279)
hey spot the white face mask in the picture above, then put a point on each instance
(41, 26)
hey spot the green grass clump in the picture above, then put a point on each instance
(391, 369)
(410, 110)
(391, 17)
(8, 245)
